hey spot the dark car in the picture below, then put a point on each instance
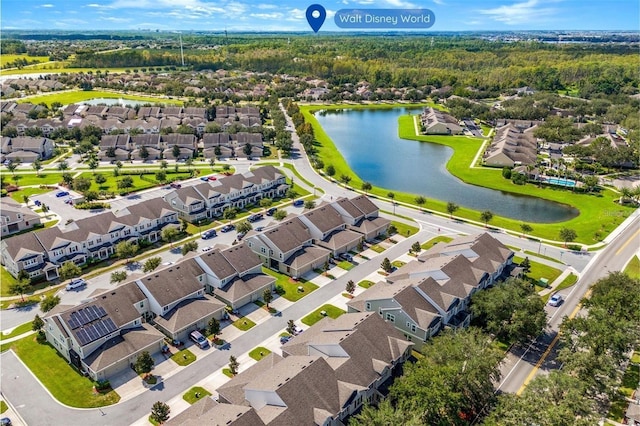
(209, 234)
(228, 228)
(255, 217)
(176, 185)
(60, 194)
(241, 235)
(285, 339)
(259, 229)
(204, 179)
(5, 421)
(298, 203)
(271, 211)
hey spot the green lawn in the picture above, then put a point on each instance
(377, 248)
(290, 287)
(404, 229)
(542, 256)
(599, 213)
(315, 316)
(244, 324)
(259, 353)
(29, 192)
(7, 58)
(62, 381)
(432, 242)
(31, 179)
(633, 268)
(538, 270)
(73, 97)
(347, 266)
(3, 407)
(570, 280)
(183, 358)
(227, 372)
(398, 263)
(299, 177)
(21, 329)
(366, 283)
(190, 395)
(149, 180)
(6, 279)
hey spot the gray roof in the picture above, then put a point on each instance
(23, 246)
(241, 258)
(365, 205)
(175, 282)
(210, 413)
(325, 218)
(289, 235)
(238, 288)
(189, 312)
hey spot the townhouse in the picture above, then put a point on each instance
(304, 243)
(14, 217)
(438, 123)
(41, 253)
(323, 376)
(512, 146)
(210, 199)
(26, 148)
(104, 335)
(434, 291)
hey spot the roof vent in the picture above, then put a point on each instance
(113, 293)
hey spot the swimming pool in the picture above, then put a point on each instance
(563, 182)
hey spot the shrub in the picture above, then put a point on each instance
(92, 205)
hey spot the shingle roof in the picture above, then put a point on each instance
(174, 282)
(238, 288)
(189, 312)
(325, 218)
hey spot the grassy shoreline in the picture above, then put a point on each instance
(599, 214)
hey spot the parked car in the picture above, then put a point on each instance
(176, 185)
(228, 228)
(259, 229)
(298, 203)
(75, 284)
(61, 194)
(285, 339)
(241, 235)
(204, 179)
(5, 421)
(555, 300)
(69, 201)
(199, 339)
(271, 211)
(212, 178)
(206, 249)
(209, 234)
(255, 217)
(347, 257)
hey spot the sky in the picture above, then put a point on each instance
(289, 15)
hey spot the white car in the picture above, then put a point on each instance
(555, 300)
(75, 284)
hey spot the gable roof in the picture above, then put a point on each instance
(174, 282)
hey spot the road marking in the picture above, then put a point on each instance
(546, 353)
(627, 242)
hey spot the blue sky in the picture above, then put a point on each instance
(289, 15)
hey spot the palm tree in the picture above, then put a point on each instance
(526, 228)
(392, 196)
(625, 194)
(486, 217)
(451, 208)
(420, 200)
(366, 187)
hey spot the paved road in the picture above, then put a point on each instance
(36, 406)
(522, 363)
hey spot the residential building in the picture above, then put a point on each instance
(434, 291)
(511, 147)
(14, 217)
(27, 148)
(436, 122)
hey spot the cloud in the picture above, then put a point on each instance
(519, 13)
(47, 5)
(440, 2)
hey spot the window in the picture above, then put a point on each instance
(413, 328)
(262, 250)
(390, 317)
(165, 309)
(90, 243)
(142, 304)
(368, 306)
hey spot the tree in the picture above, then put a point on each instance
(12, 166)
(512, 311)
(161, 176)
(100, 179)
(37, 166)
(49, 302)
(67, 178)
(554, 399)
(384, 415)
(125, 182)
(386, 265)
(69, 270)
(366, 187)
(144, 363)
(392, 229)
(526, 228)
(20, 287)
(243, 227)
(350, 287)
(212, 162)
(265, 203)
(81, 184)
(330, 170)
(151, 264)
(170, 233)
(126, 250)
(267, 296)
(345, 179)
(229, 213)
(567, 235)
(280, 214)
(247, 149)
(160, 412)
(118, 276)
(415, 247)
(213, 327)
(175, 151)
(452, 381)
(526, 265)
(189, 246)
(93, 163)
(38, 324)
(291, 327)
(233, 365)
(451, 208)
(63, 165)
(309, 204)
(144, 153)
(391, 195)
(164, 165)
(486, 217)
(420, 201)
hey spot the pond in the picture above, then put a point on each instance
(368, 139)
(115, 101)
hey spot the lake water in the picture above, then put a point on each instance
(114, 101)
(369, 141)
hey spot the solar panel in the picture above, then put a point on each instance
(88, 311)
(101, 311)
(83, 337)
(73, 323)
(111, 327)
(81, 317)
(102, 330)
(91, 333)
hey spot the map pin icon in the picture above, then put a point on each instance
(316, 14)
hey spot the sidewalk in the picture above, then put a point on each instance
(559, 280)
